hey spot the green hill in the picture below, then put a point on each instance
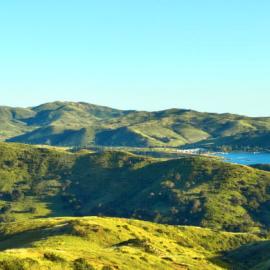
(45, 191)
(12, 121)
(248, 141)
(111, 243)
(82, 124)
(43, 182)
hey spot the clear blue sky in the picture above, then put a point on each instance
(144, 54)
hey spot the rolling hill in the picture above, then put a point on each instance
(82, 124)
(93, 243)
(219, 212)
(199, 191)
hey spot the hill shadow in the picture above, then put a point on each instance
(26, 238)
(246, 257)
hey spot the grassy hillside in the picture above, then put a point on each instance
(11, 121)
(45, 191)
(248, 141)
(111, 243)
(82, 124)
(43, 182)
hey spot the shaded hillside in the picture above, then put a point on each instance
(58, 136)
(248, 141)
(12, 121)
(59, 123)
(41, 182)
(111, 243)
(121, 137)
(264, 167)
(192, 191)
(252, 256)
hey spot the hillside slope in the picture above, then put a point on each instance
(110, 243)
(254, 256)
(247, 141)
(40, 182)
(60, 123)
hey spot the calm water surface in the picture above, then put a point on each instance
(245, 158)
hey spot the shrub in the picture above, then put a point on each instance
(53, 257)
(107, 267)
(17, 195)
(23, 264)
(126, 227)
(5, 209)
(82, 264)
(6, 218)
(11, 265)
(32, 210)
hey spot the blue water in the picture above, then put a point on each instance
(245, 158)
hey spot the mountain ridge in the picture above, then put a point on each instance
(105, 126)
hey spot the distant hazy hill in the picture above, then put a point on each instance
(39, 182)
(82, 124)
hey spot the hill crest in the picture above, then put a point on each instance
(106, 126)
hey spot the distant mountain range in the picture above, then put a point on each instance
(82, 124)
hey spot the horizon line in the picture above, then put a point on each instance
(134, 110)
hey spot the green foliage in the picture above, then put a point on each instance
(82, 264)
(53, 257)
(43, 182)
(81, 124)
(109, 245)
(40, 182)
(19, 264)
(255, 140)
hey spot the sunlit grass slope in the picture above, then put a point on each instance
(82, 124)
(112, 243)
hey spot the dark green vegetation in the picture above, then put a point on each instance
(45, 182)
(248, 141)
(200, 191)
(82, 124)
(264, 167)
